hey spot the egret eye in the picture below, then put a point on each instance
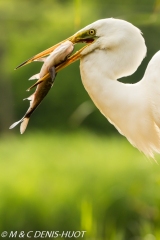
(92, 32)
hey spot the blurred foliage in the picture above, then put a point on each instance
(78, 181)
(29, 27)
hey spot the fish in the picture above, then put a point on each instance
(59, 55)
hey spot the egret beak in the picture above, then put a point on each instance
(69, 61)
(76, 38)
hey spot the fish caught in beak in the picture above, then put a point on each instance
(79, 37)
(55, 58)
(82, 36)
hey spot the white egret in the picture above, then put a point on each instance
(115, 49)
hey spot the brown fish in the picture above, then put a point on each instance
(58, 56)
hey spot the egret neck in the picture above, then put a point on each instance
(126, 106)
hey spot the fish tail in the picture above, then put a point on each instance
(24, 124)
(15, 124)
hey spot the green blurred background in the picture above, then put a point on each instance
(71, 170)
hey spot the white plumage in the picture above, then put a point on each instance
(134, 109)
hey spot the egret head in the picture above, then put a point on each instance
(120, 41)
(87, 35)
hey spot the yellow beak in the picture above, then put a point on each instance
(46, 52)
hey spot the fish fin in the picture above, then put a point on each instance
(40, 60)
(15, 124)
(24, 124)
(34, 85)
(39, 81)
(52, 72)
(30, 98)
(36, 76)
